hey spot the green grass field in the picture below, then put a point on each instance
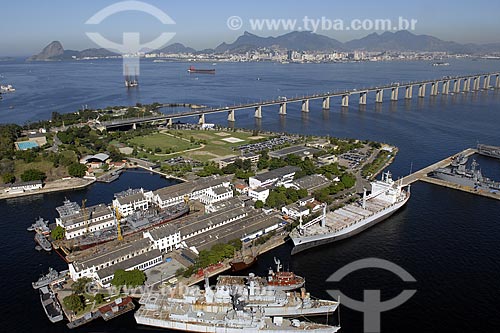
(214, 145)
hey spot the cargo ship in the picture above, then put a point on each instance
(194, 70)
(387, 197)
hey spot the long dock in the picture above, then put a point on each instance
(422, 175)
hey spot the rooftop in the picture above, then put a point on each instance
(129, 263)
(312, 182)
(296, 150)
(112, 254)
(277, 173)
(182, 189)
(89, 213)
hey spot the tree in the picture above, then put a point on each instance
(8, 178)
(58, 233)
(74, 302)
(80, 285)
(99, 298)
(77, 170)
(33, 174)
(180, 271)
(131, 278)
(259, 204)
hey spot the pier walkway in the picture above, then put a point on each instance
(422, 175)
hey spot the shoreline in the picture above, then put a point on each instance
(59, 185)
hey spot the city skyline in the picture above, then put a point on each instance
(202, 25)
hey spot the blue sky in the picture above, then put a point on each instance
(28, 25)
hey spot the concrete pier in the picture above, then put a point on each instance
(230, 116)
(283, 108)
(326, 103)
(379, 96)
(446, 88)
(305, 105)
(477, 83)
(486, 83)
(345, 100)
(467, 84)
(409, 92)
(258, 112)
(456, 86)
(394, 93)
(362, 98)
(201, 119)
(434, 88)
(421, 90)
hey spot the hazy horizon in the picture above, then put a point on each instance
(200, 25)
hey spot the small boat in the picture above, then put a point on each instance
(51, 305)
(192, 70)
(39, 224)
(243, 260)
(48, 278)
(43, 242)
(284, 280)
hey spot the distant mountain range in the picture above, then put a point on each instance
(299, 41)
(55, 52)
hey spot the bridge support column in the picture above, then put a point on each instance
(446, 88)
(497, 81)
(305, 105)
(258, 112)
(134, 126)
(201, 119)
(456, 86)
(283, 109)
(434, 88)
(421, 90)
(486, 84)
(230, 116)
(345, 101)
(409, 92)
(477, 83)
(326, 103)
(379, 96)
(467, 84)
(362, 98)
(394, 94)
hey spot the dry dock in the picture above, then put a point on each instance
(423, 176)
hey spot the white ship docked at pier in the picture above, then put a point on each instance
(387, 196)
(236, 304)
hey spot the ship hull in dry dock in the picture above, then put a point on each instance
(221, 328)
(308, 242)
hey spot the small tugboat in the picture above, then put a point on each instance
(48, 278)
(284, 280)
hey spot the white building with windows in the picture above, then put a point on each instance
(173, 195)
(259, 193)
(165, 238)
(216, 195)
(88, 220)
(277, 176)
(132, 200)
(118, 257)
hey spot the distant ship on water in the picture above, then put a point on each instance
(194, 70)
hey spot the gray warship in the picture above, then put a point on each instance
(458, 173)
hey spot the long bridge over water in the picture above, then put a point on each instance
(446, 86)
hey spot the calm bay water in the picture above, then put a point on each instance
(447, 240)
